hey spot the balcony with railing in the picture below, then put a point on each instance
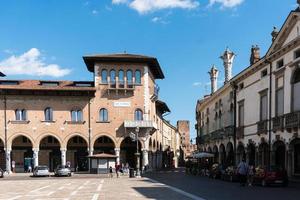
(155, 92)
(292, 120)
(278, 123)
(262, 127)
(206, 138)
(121, 85)
(217, 135)
(229, 131)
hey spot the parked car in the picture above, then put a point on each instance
(41, 170)
(1, 173)
(274, 176)
(62, 170)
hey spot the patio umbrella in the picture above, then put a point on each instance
(203, 155)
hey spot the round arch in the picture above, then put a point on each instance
(16, 135)
(68, 137)
(48, 134)
(294, 147)
(21, 154)
(263, 154)
(279, 150)
(209, 149)
(50, 147)
(229, 154)
(99, 135)
(150, 144)
(154, 145)
(216, 154)
(77, 152)
(251, 149)
(241, 153)
(128, 150)
(104, 144)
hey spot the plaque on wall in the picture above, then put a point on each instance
(122, 104)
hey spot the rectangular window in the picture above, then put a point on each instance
(263, 106)
(279, 102)
(279, 63)
(297, 54)
(264, 73)
(49, 83)
(9, 82)
(241, 86)
(76, 116)
(296, 97)
(279, 97)
(241, 111)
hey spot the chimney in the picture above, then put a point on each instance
(213, 78)
(274, 33)
(255, 55)
(228, 58)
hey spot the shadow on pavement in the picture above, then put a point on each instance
(161, 193)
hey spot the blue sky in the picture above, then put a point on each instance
(47, 39)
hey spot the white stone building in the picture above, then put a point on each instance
(256, 114)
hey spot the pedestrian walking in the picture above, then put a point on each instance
(117, 170)
(250, 175)
(13, 166)
(110, 172)
(242, 172)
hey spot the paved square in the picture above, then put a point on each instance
(87, 188)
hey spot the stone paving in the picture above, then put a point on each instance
(87, 187)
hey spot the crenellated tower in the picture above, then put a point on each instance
(228, 57)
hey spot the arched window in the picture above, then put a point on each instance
(103, 115)
(138, 115)
(121, 79)
(296, 90)
(129, 78)
(112, 75)
(104, 76)
(138, 77)
(76, 116)
(21, 115)
(48, 114)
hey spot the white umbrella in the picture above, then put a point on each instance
(203, 155)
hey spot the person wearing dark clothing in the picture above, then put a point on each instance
(110, 172)
(242, 172)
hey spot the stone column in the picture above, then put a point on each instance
(63, 155)
(117, 152)
(145, 158)
(8, 160)
(35, 156)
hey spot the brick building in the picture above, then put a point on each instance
(55, 122)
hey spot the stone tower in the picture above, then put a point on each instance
(255, 54)
(213, 78)
(228, 58)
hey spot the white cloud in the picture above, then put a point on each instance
(146, 6)
(226, 3)
(31, 63)
(119, 1)
(159, 20)
(95, 12)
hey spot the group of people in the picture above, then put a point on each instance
(123, 169)
(245, 173)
